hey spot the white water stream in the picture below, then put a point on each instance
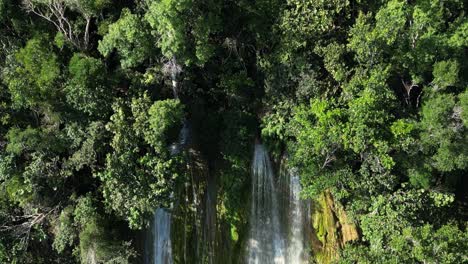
(266, 243)
(162, 246)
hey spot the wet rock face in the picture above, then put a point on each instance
(278, 228)
(332, 228)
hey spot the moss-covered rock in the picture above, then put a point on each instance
(331, 228)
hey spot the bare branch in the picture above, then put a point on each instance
(408, 87)
(20, 226)
(54, 11)
(329, 158)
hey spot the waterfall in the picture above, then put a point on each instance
(184, 139)
(266, 243)
(173, 69)
(297, 221)
(162, 248)
(209, 222)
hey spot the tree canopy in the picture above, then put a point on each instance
(112, 109)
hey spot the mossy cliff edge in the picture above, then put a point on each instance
(332, 228)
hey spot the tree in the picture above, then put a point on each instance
(57, 13)
(87, 88)
(32, 73)
(140, 174)
(176, 23)
(443, 134)
(130, 37)
(84, 229)
(409, 226)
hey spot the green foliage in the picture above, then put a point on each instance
(7, 166)
(443, 133)
(388, 109)
(176, 22)
(237, 134)
(459, 37)
(407, 35)
(328, 134)
(86, 89)
(90, 7)
(20, 141)
(400, 210)
(332, 55)
(415, 245)
(401, 129)
(275, 127)
(2, 9)
(398, 231)
(368, 99)
(18, 190)
(3, 253)
(464, 107)
(139, 173)
(165, 119)
(318, 126)
(38, 61)
(32, 73)
(236, 86)
(445, 74)
(86, 144)
(82, 222)
(97, 246)
(364, 129)
(96, 243)
(158, 123)
(129, 36)
(302, 21)
(59, 40)
(167, 18)
(317, 129)
(390, 22)
(64, 234)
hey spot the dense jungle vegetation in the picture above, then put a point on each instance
(368, 99)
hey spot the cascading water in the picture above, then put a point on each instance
(278, 224)
(162, 246)
(162, 237)
(209, 223)
(173, 69)
(183, 141)
(297, 221)
(266, 244)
